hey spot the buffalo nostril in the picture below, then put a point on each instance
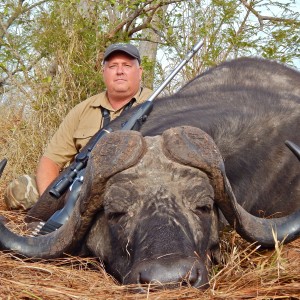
(169, 273)
(197, 277)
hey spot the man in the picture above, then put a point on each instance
(122, 76)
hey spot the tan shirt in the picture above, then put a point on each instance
(80, 124)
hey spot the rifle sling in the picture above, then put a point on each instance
(106, 114)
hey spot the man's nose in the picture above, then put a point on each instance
(120, 69)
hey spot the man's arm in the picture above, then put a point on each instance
(47, 171)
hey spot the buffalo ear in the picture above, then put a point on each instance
(214, 242)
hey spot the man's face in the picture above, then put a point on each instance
(122, 75)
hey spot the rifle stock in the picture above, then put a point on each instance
(61, 186)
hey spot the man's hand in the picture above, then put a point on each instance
(47, 171)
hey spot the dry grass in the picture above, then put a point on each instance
(21, 141)
(244, 273)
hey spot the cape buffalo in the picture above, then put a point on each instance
(152, 202)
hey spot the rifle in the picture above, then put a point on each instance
(294, 148)
(133, 123)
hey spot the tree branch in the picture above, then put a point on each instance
(21, 69)
(262, 18)
(19, 10)
(129, 20)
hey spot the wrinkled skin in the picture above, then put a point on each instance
(159, 221)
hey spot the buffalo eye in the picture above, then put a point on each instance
(203, 209)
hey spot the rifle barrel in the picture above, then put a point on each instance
(187, 58)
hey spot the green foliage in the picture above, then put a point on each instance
(228, 29)
(148, 67)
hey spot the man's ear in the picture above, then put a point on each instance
(141, 73)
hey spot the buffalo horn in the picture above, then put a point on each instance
(196, 148)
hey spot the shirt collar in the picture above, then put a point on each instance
(102, 100)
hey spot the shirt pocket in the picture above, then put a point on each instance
(82, 135)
